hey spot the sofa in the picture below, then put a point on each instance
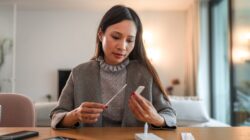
(190, 113)
(42, 110)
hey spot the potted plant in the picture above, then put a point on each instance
(49, 97)
(170, 88)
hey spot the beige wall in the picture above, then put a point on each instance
(57, 39)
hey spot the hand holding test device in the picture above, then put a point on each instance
(140, 136)
(145, 135)
(138, 91)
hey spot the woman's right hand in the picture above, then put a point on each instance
(89, 112)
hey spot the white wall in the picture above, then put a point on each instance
(6, 47)
(169, 38)
(52, 40)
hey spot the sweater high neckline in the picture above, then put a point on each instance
(112, 68)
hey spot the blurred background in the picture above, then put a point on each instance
(199, 48)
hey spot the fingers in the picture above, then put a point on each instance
(89, 116)
(88, 119)
(139, 107)
(142, 109)
(93, 105)
(91, 121)
(145, 104)
(89, 112)
(136, 106)
(135, 111)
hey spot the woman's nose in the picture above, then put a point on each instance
(123, 45)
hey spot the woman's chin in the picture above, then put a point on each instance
(118, 60)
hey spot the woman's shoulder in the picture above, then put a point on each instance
(86, 65)
(137, 66)
(135, 63)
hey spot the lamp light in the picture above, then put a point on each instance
(152, 53)
(241, 54)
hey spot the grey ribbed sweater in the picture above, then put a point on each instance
(83, 85)
(113, 78)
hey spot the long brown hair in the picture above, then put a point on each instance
(115, 15)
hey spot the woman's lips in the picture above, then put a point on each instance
(118, 55)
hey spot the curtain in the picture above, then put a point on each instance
(191, 52)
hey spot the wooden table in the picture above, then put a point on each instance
(225, 133)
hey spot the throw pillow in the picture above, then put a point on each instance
(189, 110)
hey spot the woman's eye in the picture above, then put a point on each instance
(115, 37)
(130, 41)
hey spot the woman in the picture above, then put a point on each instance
(119, 59)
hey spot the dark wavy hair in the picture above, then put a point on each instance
(115, 15)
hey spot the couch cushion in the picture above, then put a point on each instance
(43, 110)
(189, 110)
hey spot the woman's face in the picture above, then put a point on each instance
(118, 41)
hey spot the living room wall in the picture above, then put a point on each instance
(48, 40)
(6, 47)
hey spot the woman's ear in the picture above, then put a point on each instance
(100, 35)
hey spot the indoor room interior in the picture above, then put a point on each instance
(200, 49)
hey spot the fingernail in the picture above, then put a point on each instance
(132, 94)
(106, 106)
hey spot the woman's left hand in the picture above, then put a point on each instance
(144, 110)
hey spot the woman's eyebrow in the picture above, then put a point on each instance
(119, 33)
(116, 32)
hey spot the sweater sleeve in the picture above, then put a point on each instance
(163, 107)
(65, 104)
